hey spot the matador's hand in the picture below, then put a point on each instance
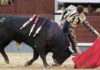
(98, 35)
(78, 50)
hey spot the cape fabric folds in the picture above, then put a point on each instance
(89, 58)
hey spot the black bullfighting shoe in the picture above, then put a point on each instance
(74, 53)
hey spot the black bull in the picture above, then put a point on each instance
(49, 39)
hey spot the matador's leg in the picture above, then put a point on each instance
(74, 39)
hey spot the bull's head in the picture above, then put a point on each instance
(61, 56)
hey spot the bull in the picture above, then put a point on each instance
(49, 39)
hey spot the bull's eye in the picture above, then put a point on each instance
(2, 19)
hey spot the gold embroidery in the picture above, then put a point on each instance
(82, 17)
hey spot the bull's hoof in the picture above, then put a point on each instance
(48, 67)
(27, 64)
(55, 65)
(7, 62)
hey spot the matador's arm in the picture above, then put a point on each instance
(91, 29)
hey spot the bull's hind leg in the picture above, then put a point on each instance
(35, 57)
(5, 56)
(2, 47)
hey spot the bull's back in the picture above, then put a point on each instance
(55, 33)
(55, 30)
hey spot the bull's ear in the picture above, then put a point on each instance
(2, 20)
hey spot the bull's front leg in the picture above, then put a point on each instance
(41, 43)
(42, 52)
(35, 57)
(43, 57)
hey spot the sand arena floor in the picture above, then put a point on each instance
(18, 59)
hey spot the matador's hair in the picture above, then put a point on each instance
(80, 8)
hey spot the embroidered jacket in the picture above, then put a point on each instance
(72, 16)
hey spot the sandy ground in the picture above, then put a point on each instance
(17, 61)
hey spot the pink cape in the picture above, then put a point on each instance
(89, 58)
